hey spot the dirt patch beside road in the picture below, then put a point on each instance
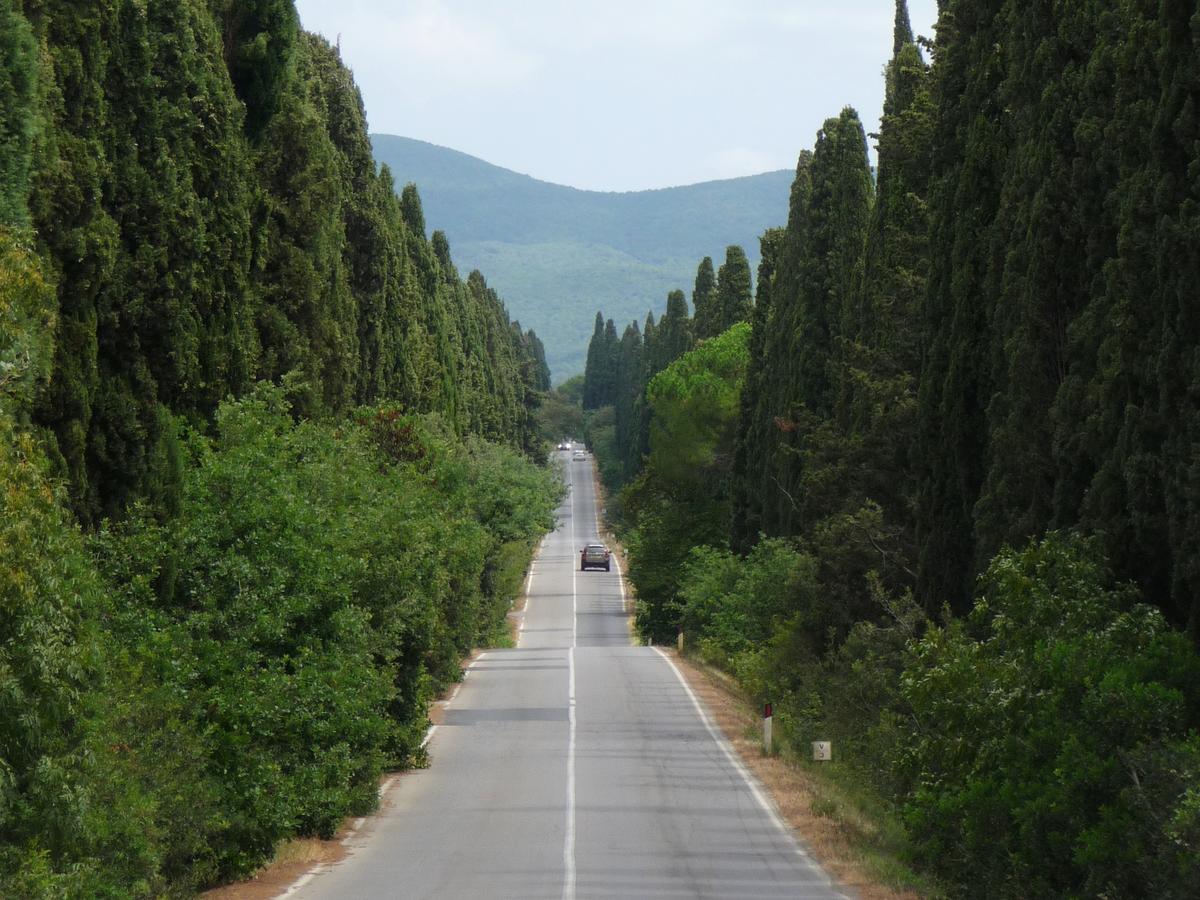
(292, 861)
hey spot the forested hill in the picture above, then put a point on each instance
(936, 492)
(269, 460)
(554, 251)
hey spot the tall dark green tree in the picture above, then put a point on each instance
(674, 334)
(733, 301)
(593, 373)
(815, 285)
(754, 436)
(970, 147)
(704, 300)
(627, 402)
(18, 112)
(771, 390)
(880, 346)
(259, 37)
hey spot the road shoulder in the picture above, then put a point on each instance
(793, 791)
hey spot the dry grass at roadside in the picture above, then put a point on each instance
(840, 834)
(292, 860)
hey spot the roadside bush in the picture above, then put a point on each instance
(284, 632)
(1051, 749)
(734, 606)
(49, 660)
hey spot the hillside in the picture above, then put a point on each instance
(557, 254)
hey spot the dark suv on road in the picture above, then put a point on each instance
(594, 556)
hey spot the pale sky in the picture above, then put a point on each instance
(616, 94)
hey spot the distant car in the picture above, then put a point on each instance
(594, 556)
(564, 446)
(579, 454)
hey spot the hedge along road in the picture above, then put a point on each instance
(576, 765)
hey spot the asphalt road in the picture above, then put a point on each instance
(576, 765)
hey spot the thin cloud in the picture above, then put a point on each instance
(430, 47)
(616, 94)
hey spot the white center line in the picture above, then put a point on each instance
(569, 838)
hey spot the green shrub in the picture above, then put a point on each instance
(283, 634)
(1051, 749)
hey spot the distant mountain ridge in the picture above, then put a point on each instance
(556, 254)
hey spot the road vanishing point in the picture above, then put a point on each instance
(576, 765)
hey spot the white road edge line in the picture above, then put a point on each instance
(528, 587)
(568, 892)
(751, 782)
(621, 583)
(432, 729)
(302, 881)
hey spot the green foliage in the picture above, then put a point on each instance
(682, 497)
(1050, 751)
(259, 37)
(733, 606)
(561, 414)
(733, 290)
(18, 84)
(26, 323)
(695, 403)
(242, 672)
(49, 660)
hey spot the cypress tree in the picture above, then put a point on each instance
(733, 290)
(630, 385)
(1048, 216)
(1125, 420)
(610, 360)
(306, 322)
(773, 393)
(259, 38)
(840, 206)
(969, 150)
(593, 375)
(902, 33)
(704, 300)
(881, 351)
(195, 250)
(410, 206)
(754, 427)
(649, 335)
(18, 79)
(819, 269)
(673, 335)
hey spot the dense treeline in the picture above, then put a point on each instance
(203, 189)
(182, 695)
(266, 457)
(949, 519)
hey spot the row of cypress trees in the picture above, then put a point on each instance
(618, 370)
(200, 181)
(300, 445)
(993, 336)
(951, 523)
